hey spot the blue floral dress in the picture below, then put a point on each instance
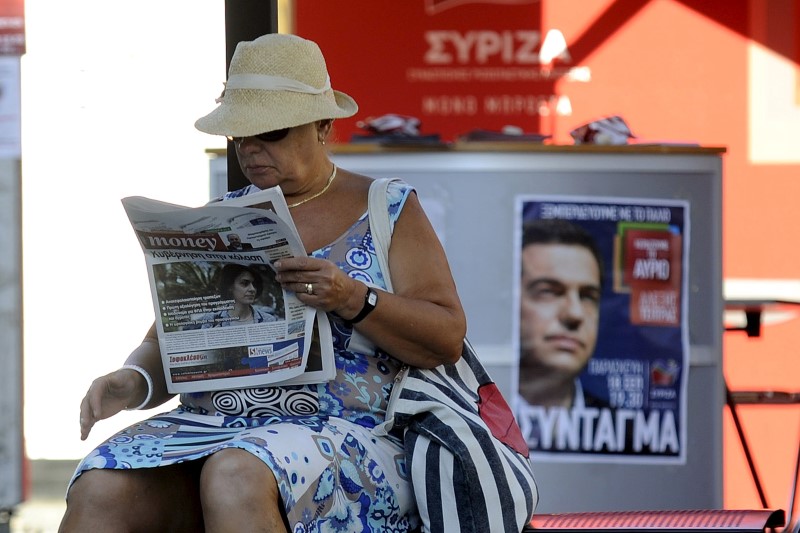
(333, 473)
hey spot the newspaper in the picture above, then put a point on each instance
(204, 346)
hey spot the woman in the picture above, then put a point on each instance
(318, 466)
(243, 285)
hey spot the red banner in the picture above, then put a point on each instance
(457, 65)
(12, 27)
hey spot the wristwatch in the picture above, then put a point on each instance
(370, 301)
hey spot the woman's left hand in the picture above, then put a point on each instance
(319, 283)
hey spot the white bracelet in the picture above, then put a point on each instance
(149, 381)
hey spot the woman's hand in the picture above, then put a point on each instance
(321, 284)
(110, 394)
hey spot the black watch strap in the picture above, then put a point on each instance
(370, 301)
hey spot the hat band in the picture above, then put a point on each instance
(273, 83)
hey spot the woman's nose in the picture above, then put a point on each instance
(248, 144)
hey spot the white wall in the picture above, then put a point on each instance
(110, 93)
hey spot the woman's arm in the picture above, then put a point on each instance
(422, 323)
(126, 388)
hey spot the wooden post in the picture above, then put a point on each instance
(244, 21)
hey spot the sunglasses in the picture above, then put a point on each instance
(267, 137)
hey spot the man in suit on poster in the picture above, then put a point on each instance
(560, 288)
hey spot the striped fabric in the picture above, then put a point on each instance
(469, 474)
(467, 458)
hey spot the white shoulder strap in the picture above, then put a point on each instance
(379, 224)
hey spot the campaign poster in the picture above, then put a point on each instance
(600, 314)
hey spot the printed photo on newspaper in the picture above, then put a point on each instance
(223, 320)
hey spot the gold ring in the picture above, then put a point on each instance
(309, 288)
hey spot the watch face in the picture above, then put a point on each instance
(372, 298)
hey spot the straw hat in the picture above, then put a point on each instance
(276, 81)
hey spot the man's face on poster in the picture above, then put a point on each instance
(559, 308)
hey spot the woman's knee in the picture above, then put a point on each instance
(101, 489)
(160, 499)
(236, 468)
(99, 500)
(237, 486)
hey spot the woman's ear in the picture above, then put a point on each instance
(324, 129)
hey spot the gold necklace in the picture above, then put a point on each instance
(320, 193)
